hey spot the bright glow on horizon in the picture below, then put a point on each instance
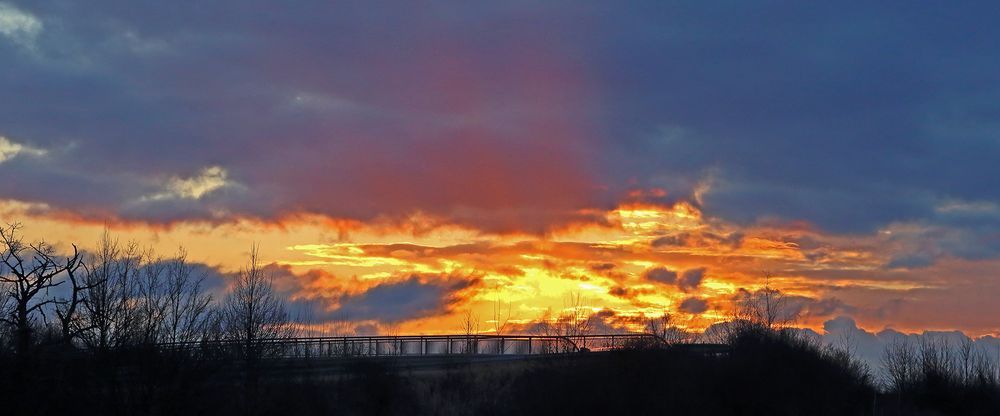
(536, 275)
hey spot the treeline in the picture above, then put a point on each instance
(120, 297)
(946, 376)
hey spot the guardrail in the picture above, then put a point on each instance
(418, 345)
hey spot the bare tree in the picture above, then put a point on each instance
(912, 367)
(767, 308)
(111, 281)
(501, 314)
(28, 270)
(501, 317)
(470, 323)
(663, 329)
(899, 360)
(847, 343)
(576, 319)
(546, 326)
(67, 309)
(470, 327)
(6, 309)
(186, 314)
(150, 300)
(936, 358)
(966, 357)
(253, 313)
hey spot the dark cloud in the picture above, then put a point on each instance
(732, 240)
(661, 275)
(607, 321)
(384, 114)
(911, 261)
(966, 231)
(213, 281)
(629, 292)
(687, 281)
(827, 307)
(691, 279)
(620, 291)
(317, 296)
(848, 118)
(787, 308)
(798, 145)
(678, 240)
(412, 298)
(693, 306)
(792, 307)
(602, 267)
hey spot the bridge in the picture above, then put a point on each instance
(420, 345)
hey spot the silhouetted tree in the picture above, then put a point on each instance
(253, 313)
(67, 310)
(575, 320)
(6, 309)
(111, 280)
(662, 328)
(501, 314)
(470, 327)
(187, 305)
(28, 270)
(150, 300)
(766, 309)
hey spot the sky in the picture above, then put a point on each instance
(400, 164)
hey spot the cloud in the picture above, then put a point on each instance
(366, 136)
(833, 144)
(911, 261)
(693, 306)
(317, 296)
(607, 321)
(10, 149)
(411, 298)
(692, 239)
(382, 152)
(19, 26)
(661, 275)
(629, 292)
(207, 181)
(671, 240)
(602, 267)
(687, 281)
(957, 229)
(827, 307)
(843, 333)
(691, 279)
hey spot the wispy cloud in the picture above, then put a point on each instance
(10, 149)
(208, 180)
(19, 26)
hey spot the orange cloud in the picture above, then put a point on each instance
(640, 260)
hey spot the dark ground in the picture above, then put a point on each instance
(760, 376)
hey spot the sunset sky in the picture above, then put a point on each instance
(402, 163)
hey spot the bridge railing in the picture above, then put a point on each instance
(416, 345)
